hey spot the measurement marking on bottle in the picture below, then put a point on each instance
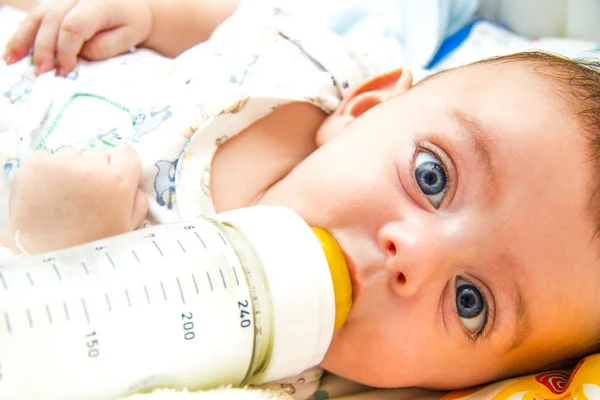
(223, 278)
(200, 239)
(195, 283)
(110, 260)
(135, 255)
(29, 318)
(7, 320)
(85, 310)
(3, 281)
(66, 311)
(222, 238)
(30, 279)
(108, 302)
(209, 281)
(128, 299)
(49, 315)
(181, 291)
(147, 294)
(237, 281)
(158, 248)
(180, 245)
(85, 268)
(55, 268)
(163, 290)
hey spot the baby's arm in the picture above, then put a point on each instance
(58, 32)
(69, 198)
(181, 24)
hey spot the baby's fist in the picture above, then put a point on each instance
(71, 197)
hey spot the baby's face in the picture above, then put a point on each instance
(461, 206)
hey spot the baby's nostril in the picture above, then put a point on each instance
(392, 249)
(401, 278)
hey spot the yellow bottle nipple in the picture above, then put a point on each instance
(342, 286)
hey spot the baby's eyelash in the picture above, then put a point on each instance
(421, 145)
(489, 316)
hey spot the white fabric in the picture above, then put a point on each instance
(218, 394)
(577, 19)
(408, 31)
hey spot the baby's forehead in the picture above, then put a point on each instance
(489, 71)
(503, 85)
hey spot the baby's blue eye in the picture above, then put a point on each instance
(470, 306)
(431, 177)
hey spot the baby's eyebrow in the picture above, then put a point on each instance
(473, 130)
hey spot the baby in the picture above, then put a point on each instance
(466, 205)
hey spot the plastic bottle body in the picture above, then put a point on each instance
(177, 306)
(247, 297)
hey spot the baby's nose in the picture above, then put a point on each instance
(414, 257)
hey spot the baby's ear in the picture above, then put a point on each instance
(366, 96)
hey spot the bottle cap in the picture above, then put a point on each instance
(300, 284)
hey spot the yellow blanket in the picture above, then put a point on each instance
(582, 383)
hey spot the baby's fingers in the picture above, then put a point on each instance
(84, 22)
(22, 40)
(44, 48)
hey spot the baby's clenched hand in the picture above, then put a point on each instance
(70, 198)
(58, 32)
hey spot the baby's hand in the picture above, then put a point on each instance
(69, 198)
(58, 32)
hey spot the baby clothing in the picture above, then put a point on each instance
(176, 113)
